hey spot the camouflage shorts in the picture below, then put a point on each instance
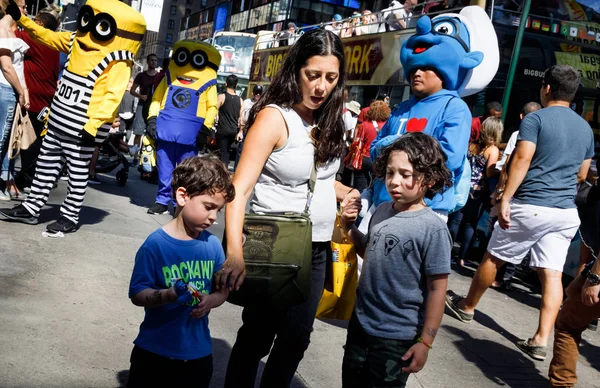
(373, 362)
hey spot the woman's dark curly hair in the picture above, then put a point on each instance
(426, 157)
(378, 111)
(200, 175)
(285, 91)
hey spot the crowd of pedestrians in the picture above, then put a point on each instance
(309, 149)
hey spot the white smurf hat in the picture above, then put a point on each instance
(482, 38)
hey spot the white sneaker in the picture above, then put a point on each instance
(133, 151)
(4, 196)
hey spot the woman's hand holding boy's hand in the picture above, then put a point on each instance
(351, 196)
(419, 353)
(350, 212)
(232, 274)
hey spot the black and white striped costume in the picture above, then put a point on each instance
(62, 143)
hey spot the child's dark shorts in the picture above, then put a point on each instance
(152, 370)
(373, 362)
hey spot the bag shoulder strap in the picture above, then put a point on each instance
(312, 182)
(446, 106)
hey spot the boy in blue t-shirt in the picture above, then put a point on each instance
(174, 344)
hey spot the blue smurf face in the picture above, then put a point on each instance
(443, 45)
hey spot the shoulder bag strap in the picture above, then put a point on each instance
(311, 187)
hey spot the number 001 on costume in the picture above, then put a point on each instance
(97, 71)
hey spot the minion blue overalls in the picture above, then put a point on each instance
(176, 129)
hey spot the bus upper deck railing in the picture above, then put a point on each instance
(377, 23)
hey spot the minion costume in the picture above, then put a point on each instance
(97, 71)
(184, 102)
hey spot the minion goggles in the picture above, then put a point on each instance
(102, 26)
(198, 58)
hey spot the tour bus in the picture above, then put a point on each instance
(373, 63)
(236, 50)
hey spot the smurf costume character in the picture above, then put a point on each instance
(185, 101)
(462, 50)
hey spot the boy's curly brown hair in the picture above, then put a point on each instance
(427, 158)
(203, 175)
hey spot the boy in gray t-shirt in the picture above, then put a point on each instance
(401, 292)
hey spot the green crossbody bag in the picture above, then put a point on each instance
(278, 255)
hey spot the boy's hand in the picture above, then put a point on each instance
(184, 295)
(350, 212)
(207, 302)
(419, 353)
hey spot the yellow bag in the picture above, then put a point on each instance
(339, 294)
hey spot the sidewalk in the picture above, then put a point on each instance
(66, 321)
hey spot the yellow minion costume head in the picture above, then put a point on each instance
(193, 63)
(104, 26)
(186, 98)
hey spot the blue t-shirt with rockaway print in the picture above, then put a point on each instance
(169, 330)
(563, 141)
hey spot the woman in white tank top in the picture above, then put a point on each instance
(303, 102)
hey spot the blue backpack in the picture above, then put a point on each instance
(462, 186)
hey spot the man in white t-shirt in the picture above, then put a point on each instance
(512, 142)
(336, 24)
(398, 16)
(350, 117)
(248, 103)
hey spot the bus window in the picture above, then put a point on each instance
(236, 53)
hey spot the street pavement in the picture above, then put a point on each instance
(66, 321)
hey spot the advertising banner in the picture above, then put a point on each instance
(588, 66)
(152, 11)
(370, 60)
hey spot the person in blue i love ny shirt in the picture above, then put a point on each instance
(174, 345)
(450, 56)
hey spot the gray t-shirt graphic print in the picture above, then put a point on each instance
(403, 248)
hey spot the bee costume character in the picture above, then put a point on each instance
(184, 102)
(97, 71)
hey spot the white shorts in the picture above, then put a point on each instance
(546, 232)
(139, 125)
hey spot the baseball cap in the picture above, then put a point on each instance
(257, 89)
(353, 107)
(337, 17)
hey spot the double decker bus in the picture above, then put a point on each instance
(236, 50)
